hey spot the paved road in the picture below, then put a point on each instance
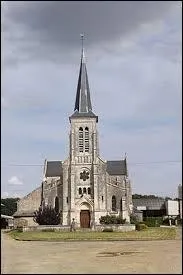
(90, 257)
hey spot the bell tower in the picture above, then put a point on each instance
(84, 149)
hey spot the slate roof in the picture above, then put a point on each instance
(117, 167)
(83, 101)
(24, 214)
(54, 169)
(83, 106)
(76, 114)
(151, 204)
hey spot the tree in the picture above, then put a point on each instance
(9, 206)
(46, 216)
(139, 196)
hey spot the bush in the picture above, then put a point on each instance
(107, 230)
(120, 220)
(166, 221)
(46, 216)
(112, 219)
(133, 219)
(179, 221)
(153, 221)
(141, 226)
(19, 229)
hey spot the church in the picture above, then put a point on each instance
(83, 186)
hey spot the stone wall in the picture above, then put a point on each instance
(99, 228)
(53, 189)
(30, 203)
(24, 221)
(116, 227)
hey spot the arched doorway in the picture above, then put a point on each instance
(85, 216)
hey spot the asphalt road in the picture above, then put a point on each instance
(147, 257)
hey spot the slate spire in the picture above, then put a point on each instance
(83, 101)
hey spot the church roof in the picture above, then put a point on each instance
(117, 167)
(83, 106)
(89, 114)
(53, 169)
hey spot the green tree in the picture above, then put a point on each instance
(46, 216)
(139, 196)
(9, 206)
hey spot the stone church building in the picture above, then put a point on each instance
(83, 186)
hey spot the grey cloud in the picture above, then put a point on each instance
(52, 27)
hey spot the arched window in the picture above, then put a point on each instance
(89, 190)
(86, 139)
(121, 205)
(84, 190)
(80, 191)
(56, 205)
(80, 139)
(113, 203)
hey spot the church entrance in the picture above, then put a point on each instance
(85, 218)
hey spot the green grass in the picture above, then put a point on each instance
(148, 234)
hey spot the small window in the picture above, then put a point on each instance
(113, 203)
(80, 191)
(89, 190)
(67, 199)
(102, 198)
(84, 190)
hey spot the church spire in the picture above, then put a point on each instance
(83, 101)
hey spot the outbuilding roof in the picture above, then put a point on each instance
(150, 204)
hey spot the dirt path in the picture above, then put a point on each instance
(90, 257)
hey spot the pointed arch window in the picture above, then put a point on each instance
(80, 139)
(86, 139)
(89, 190)
(84, 190)
(80, 191)
(113, 203)
(121, 205)
(56, 205)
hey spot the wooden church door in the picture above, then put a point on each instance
(85, 218)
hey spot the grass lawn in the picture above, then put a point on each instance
(156, 233)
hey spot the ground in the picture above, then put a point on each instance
(148, 257)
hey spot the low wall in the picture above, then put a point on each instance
(115, 227)
(46, 227)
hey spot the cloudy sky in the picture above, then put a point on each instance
(134, 63)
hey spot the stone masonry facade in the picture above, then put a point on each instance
(83, 187)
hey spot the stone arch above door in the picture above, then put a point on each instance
(85, 206)
(85, 215)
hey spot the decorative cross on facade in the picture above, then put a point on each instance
(84, 175)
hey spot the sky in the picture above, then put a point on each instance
(133, 53)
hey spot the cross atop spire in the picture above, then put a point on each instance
(83, 60)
